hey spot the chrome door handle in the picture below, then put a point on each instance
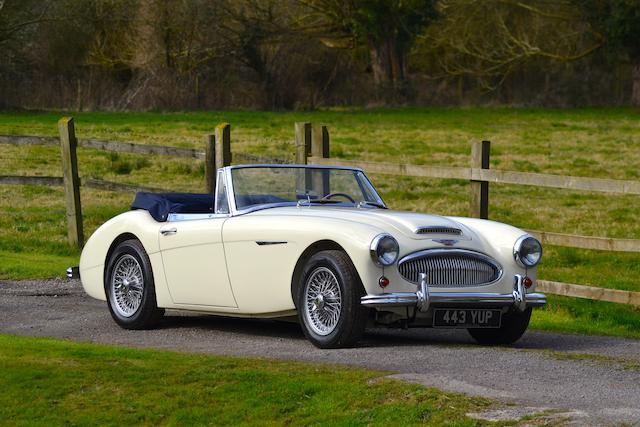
(169, 231)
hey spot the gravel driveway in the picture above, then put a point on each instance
(592, 380)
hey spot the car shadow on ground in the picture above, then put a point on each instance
(245, 326)
(379, 337)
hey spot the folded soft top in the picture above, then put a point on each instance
(160, 205)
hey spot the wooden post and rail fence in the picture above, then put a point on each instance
(312, 146)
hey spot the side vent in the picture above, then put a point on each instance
(439, 230)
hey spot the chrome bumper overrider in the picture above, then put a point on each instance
(73, 272)
(423, 298)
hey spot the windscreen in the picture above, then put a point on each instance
(261, 186)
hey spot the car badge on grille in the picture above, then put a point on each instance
(446, 242)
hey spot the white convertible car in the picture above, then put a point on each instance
(316, 242)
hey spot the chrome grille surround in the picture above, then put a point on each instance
(438, 229)
(450, 268)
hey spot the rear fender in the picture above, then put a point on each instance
(136, 224)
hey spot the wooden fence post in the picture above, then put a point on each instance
(223, 145)
(319, 141)
(320, 148)
(68, 145)
(303, 142)
(210, 171)
(479, 206)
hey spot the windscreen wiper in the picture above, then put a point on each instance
(375, 204)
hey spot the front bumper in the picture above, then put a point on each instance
(73, 272)
(423, 298)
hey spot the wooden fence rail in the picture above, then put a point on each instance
(29, 140)
(116, 146)
(491, 175)
(53, 181)
(312, 146)
(57, 181)
(587, 242)
(589, 292)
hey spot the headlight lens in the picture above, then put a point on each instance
(384, 249)
(527, 251)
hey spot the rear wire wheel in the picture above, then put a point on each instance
(328, 301)
(130, 288)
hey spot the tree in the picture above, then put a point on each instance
(619, 23)
(387, 28)
(18, 16)
(489, 39)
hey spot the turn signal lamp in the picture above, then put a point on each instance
(383, 282)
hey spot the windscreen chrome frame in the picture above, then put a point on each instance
(231, 196)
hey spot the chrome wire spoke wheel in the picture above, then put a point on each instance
(323, 301)
(127, 285)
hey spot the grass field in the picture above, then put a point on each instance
(603, 143)
(52, 382)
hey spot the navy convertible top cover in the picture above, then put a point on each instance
(160, 205)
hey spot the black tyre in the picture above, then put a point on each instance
(514, 325)
(129, 287)
(328, 301)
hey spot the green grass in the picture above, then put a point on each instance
(53, 382)
(581, 316)
(603, 143)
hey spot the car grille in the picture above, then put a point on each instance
(450, 268)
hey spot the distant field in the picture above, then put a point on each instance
(602, 143)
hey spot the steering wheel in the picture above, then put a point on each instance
(345, 195)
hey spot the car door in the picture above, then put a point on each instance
(194, 262)
(194, 258)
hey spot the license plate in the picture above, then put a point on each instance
(466, 318)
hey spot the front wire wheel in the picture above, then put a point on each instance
(328, 300)
(323, 301)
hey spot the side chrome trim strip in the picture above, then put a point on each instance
(268, 242)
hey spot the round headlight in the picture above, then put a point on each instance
(384, 249)
(527, 251)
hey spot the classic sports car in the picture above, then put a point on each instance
(319, 242)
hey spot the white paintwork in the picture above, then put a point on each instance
(215, 265)
(194, 263)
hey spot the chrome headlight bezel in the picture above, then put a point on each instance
(521, 251)
(378, 246)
